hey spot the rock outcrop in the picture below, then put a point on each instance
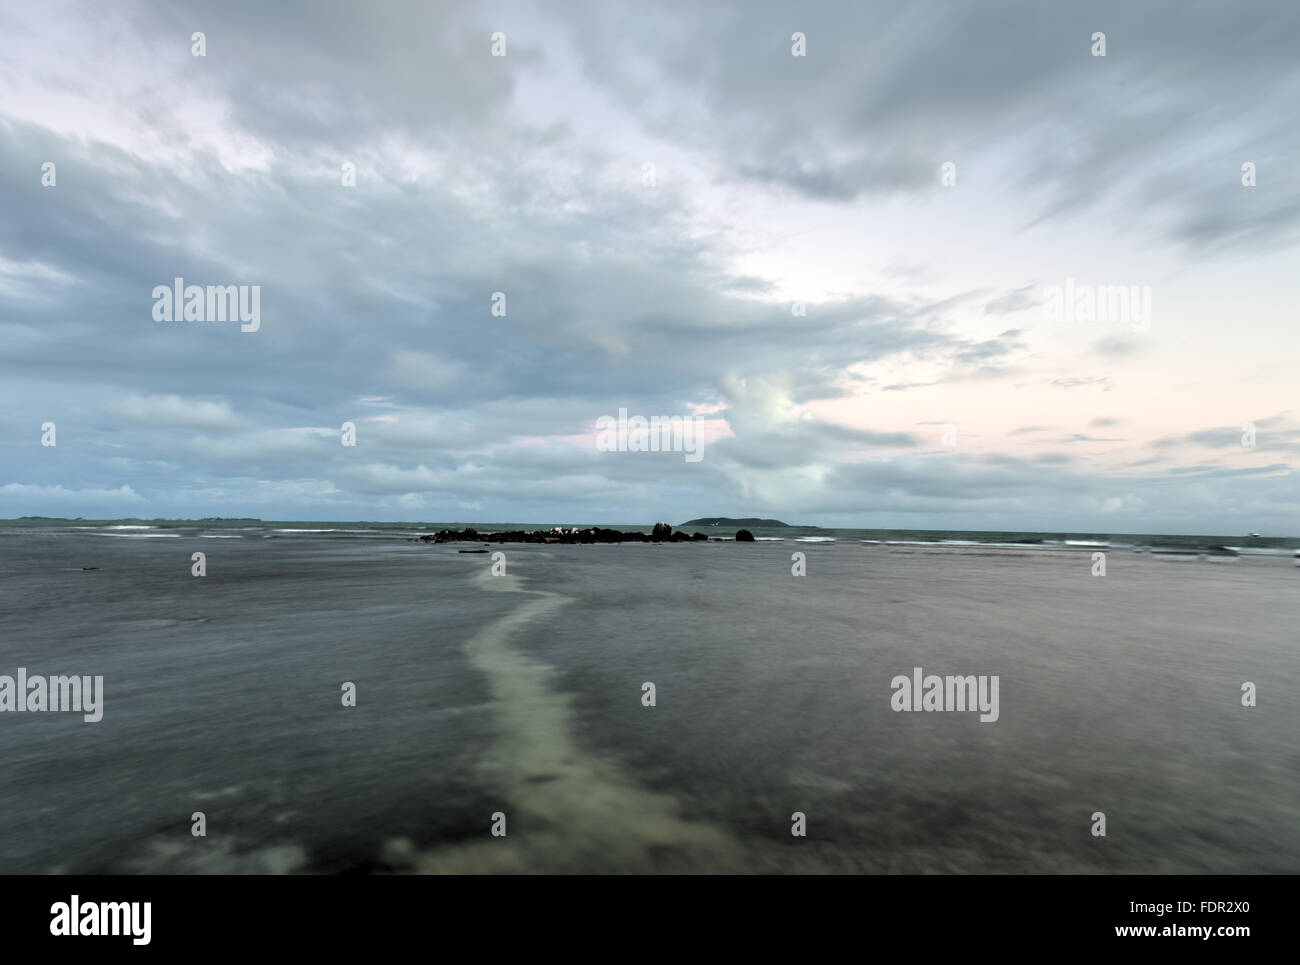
(744, 536)
(593, 534)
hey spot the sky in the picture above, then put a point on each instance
(855, 244)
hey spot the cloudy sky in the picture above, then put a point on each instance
(928, 383)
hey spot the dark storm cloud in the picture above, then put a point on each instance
(329, 73)
(226, 170)
(888, 92)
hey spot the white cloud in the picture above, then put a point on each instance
(175, 412)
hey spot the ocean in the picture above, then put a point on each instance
(510, 693)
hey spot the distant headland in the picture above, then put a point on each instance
(747, 521)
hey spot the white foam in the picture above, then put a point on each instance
(142, 535)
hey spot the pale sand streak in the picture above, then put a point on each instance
(564, 807)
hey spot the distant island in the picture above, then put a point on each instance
(747, 521)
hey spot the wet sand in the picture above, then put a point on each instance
(522, 694)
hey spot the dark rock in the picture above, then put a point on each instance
(744, 536)
(661, 531)
(593, 534)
